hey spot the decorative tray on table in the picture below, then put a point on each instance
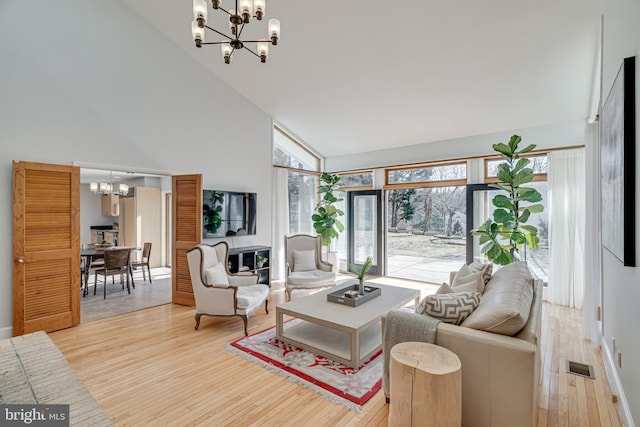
(350, 296)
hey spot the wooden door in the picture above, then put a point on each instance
(46, 247)
(186, 233)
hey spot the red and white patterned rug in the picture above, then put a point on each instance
(335, 381)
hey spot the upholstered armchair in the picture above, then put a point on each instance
(220, 293)
(304, 266)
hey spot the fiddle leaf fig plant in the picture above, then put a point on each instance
(507, 233)
(326, 220)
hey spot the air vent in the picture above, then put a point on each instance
(580, 369)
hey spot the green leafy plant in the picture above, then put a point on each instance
(326, 220)
(507, 233)
(261, 260)
(361, 272)
(211, 212)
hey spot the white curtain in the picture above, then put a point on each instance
(280, 221)
(566, 227)
(591, 327)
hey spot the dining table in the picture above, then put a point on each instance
(93, 253)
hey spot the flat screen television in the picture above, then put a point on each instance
(228, 213)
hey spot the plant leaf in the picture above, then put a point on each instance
(502, 201)
(537, 208)
(528, 148)
(503, 149)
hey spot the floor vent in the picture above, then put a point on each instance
(580, 369)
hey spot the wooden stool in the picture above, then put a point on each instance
(425, 386)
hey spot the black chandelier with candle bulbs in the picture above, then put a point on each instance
(238, 18)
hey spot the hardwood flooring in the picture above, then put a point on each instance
(150, 367)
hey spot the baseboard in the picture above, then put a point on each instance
(6, 332)
(616, 386)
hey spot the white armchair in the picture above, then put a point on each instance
(304, 266)
(218, 292)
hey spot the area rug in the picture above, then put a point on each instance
(335, 381)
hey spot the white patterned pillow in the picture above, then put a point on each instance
(450, 308)
(485, 269)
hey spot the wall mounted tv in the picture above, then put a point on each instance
(228, 213)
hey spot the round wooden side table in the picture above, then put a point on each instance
(425, 386)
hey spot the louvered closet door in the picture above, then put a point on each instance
(46, 247)
(187, 233)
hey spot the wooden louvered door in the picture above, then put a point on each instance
(46, 247)
(187, 233)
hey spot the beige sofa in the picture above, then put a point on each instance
(500, 373)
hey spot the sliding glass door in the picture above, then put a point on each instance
(365, 229)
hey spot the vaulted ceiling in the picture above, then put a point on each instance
(355, 76)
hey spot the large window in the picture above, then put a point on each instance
(290, 153)
(302, 202)
(453, 173)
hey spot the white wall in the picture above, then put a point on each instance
(621, 285)
(90, 82)
(91, 213)
(556, 135)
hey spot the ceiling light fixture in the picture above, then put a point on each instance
(238, 18)
(107, 187)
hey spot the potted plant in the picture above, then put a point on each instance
(506, 233)
(261, 260)
(326, 220)
(361, 273)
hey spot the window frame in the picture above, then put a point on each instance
(293, 140)
(440, 183)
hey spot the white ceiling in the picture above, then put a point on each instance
(355, 76)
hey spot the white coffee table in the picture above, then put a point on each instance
(349, 335)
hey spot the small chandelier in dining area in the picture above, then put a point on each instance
(237, 19)
(108, 188)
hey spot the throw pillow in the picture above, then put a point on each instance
(475, 285)
(450, 308)
(445, 289)
(217, 276)
(485, 269)
(304, 260)
(474, 281)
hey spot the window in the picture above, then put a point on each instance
(290, 153)
(539, 164)
(360, 180)
(454, 173)
(302, 201)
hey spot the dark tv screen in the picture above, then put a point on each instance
(228, 213)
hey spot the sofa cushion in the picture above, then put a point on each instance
(506, 303)
(450, 308)
(514, 270)
(311, 278)
(251, 296)
(304, 260)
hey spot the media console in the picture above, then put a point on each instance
(246, 259)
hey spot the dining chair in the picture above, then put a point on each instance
(116, 262)
(144, 262)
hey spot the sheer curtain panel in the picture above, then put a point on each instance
(567, 227)
(280, 221)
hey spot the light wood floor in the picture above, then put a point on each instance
(151, 368)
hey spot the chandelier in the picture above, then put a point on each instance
(238, 18)
(107, 187)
